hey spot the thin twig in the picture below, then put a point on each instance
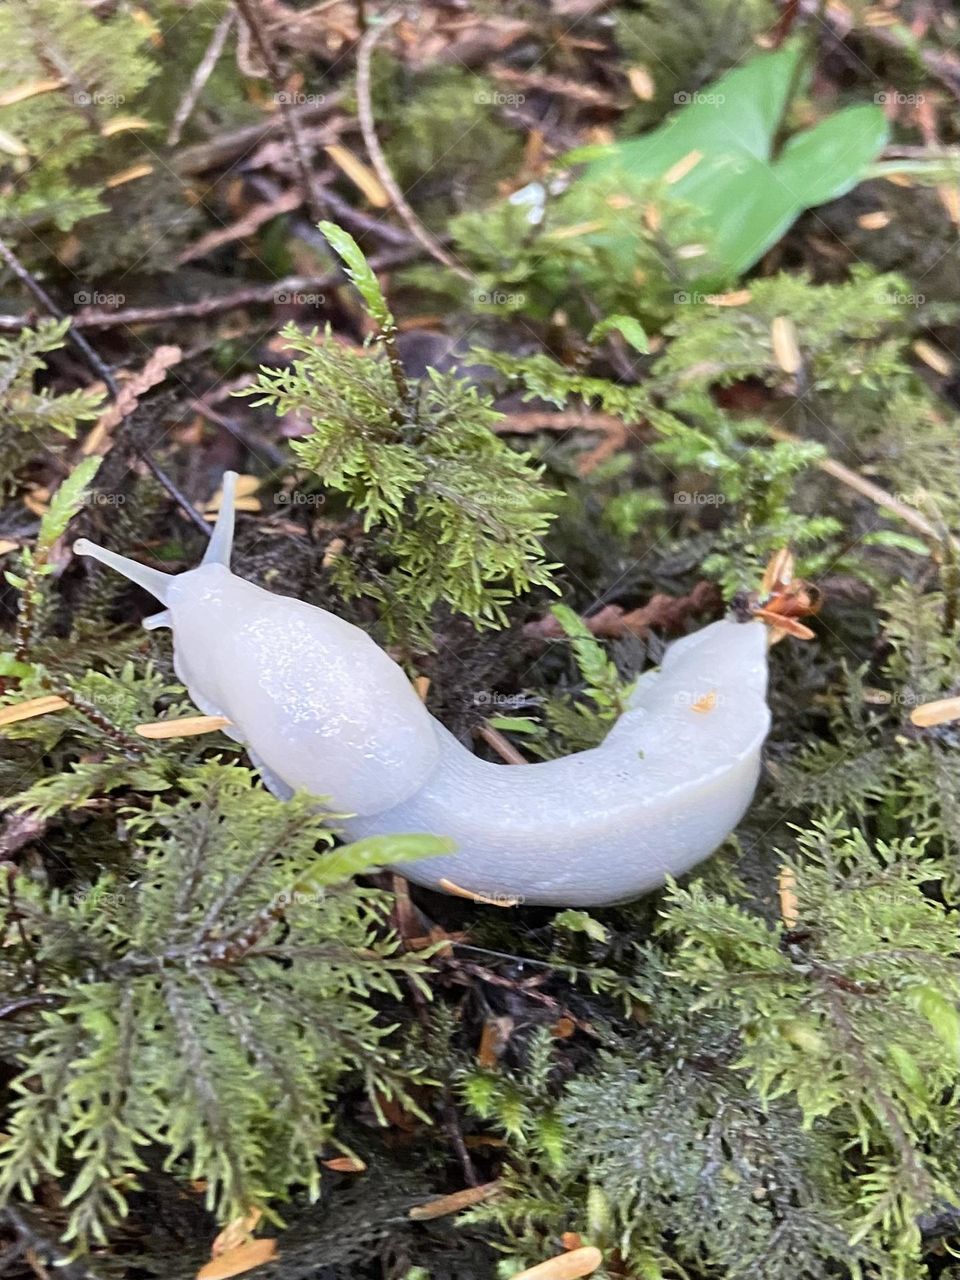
(103, 371)
(495, 739)
(379, 161)
(250, 295)
(226, 147)
(201, 75)
(853, 480)
(250, 11)
(33, 286)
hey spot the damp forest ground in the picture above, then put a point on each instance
(534, 333)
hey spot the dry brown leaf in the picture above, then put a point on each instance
(667, 613)
(247, 486)
(345, 1164)
(152, 373)
(6, 545)
(493, 1041)
(236, 1261)
(236, 1233)
(565, 1266)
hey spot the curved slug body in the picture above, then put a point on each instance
(321, 708)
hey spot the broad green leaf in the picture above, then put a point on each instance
(824, 162)
(716, 156)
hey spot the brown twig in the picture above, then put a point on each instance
(226, 147)
(663, 612)
(37, 290)
(379, 161)
(250, 12)
(495, 739)
(250, 295)
(853, 480)
(201, 75)
(102, 370)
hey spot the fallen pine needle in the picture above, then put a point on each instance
(786, 348)
(33, 707)
(933, 713)
(187, 727)
(565, 1266)
(345, 1164)
(789, 902)
(234, 1262)
(458, 891)
(445, 1205)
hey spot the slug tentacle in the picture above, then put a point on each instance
(221, 540)
(152, 580)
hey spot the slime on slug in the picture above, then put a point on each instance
(321, 708)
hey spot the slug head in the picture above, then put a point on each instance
(321, 705)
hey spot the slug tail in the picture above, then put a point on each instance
(221, 540)
(151, 580)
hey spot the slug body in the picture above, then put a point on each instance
(321, 708)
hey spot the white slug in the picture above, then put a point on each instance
(322, 709)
